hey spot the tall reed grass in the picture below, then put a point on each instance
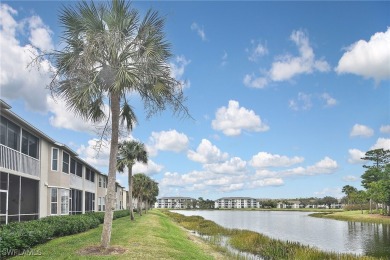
(258, 244)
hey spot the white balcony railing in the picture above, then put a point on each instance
(19, 162)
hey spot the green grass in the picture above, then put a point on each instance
(355, 215)
(152, 236)
(258, 244)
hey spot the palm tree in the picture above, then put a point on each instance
(109, 52)
(141, 185)
(349, 190)
(129, 153)
(151, 193)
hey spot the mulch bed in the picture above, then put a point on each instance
(98, 250)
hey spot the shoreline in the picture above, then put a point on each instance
(256, 243)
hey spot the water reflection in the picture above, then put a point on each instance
(325, 234)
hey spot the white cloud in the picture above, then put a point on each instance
(255, 82)
(302, 102)
(233, 119)
(233, 166)
(177, 69)
(385, 129)
(267, 182)
(96, 153)
(40, 34)
(350, 178)
(232, 187)
(16, 80)
(263, 160)
(329, 100)
(151, 168)
(333, 192)
(63, 118)
(325, 166)
(369, 59)
(381, 143)
(257, 50)
(305, 101)
(355, 156)
(199, 30)
(207, 153)
(361, 130)
(286, 67)
(167, 141)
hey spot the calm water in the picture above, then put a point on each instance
(326, 234)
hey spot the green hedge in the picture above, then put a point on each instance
(20, 236)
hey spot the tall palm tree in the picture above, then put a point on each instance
(129, 153)
(109, 52)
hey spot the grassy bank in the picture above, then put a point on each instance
(354, 215)
(152, 236)
(258, 244)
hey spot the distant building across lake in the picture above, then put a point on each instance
(237, 203)
(176, 203)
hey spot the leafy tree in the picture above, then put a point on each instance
(379, 157)
(348, 190)
(269, 204)
(360, 197)
(109, 52)
(328, 200)
(374, 179)
(129, 153)
(379, 191)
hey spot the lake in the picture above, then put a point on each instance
(326, 234)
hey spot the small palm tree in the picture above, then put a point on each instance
(109, 53)
(141, 182)
(129, 153)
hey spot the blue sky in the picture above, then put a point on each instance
(286, 96)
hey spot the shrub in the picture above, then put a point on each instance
(18, 236)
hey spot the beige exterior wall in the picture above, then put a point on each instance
(43, 173)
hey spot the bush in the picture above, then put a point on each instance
(19, 236)
(356, 207)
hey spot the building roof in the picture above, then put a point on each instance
(236, 198)
(163, 198)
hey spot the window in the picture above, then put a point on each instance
(89, 175)
(64, 202)
(54, 159)
(76, 199)
(100, 181)
(89, 201)
(65, 162)
(10, 134)
(105, 182)
(72, 166)
(53, 201)
(30, 144)
(101, 204)
(79, 169)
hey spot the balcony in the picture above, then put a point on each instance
(19, 162)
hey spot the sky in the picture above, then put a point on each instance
(285, 97)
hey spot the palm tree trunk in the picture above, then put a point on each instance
(139, 206)
(108, 215)
(130, 197)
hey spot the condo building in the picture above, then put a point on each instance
(175, 203)
(41, 177)
(237, 203)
